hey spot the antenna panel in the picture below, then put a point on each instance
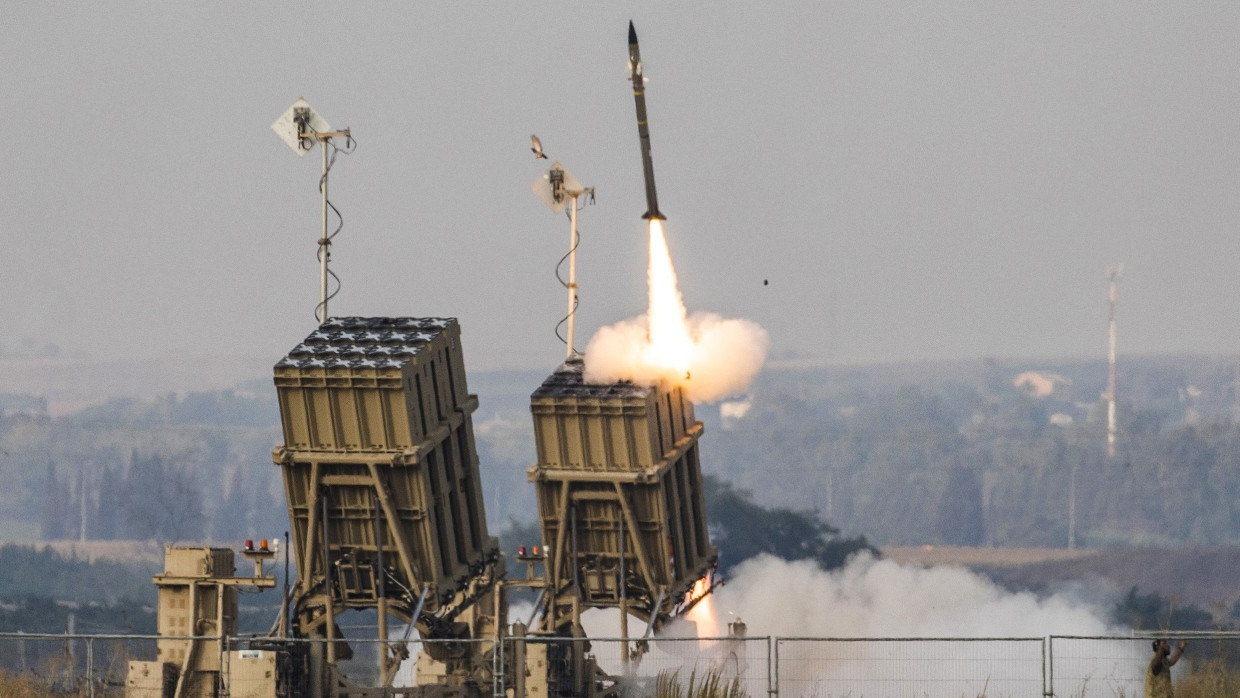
(286, 126)
(545, 190)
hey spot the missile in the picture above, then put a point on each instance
(643, 128)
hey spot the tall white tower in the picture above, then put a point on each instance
(1113, 273)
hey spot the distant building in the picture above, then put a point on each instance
(1190, 397)
(22, 405)
(1060, 419)
(1040, 383)
(732, 412)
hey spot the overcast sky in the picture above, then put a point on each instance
(914, 180)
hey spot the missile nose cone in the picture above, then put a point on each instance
(632, 34)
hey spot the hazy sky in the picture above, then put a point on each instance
(915, 180)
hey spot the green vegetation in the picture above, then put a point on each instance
(947, 453)
(743, 529)
(29, 572)
(178, 468)
(1153, 611)
(40, 590)
(957, 454)
(41, 614)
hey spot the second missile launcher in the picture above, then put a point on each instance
(620, 501)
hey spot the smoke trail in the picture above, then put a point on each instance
(670, 346)
(711, 357)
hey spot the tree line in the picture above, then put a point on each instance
(969, 458)
(178, 468)
(901, 454)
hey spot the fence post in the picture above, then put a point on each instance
(90, 666)
(497, 678)
(223, 684)
(1050, 666)
(775, 670)
(1046, 691)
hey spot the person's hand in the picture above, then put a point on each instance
(1183, 644)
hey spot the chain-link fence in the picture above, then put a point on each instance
(254, 666)
(1085, 667)
(69, 665)
(730, 663)
(1111, 667)
(98, 666)
(909, 668)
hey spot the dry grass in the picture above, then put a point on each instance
(1211, 679)
(24, 686)
(1149, 569)
(710, 684)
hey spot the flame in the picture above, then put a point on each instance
(670, 345)
(700, 587)
(708, 356)
(703, 612)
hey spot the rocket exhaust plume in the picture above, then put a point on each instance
(702, 614)
(709, 356)
(643, 128)
(670, 346)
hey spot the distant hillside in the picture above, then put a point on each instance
(68, 384)
(991, 452)
(979, 453)
(1204, 577)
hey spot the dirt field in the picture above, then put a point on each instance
(992, 557)
(1206, 577)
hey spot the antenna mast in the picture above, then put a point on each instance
(557, 188)
(301, 127)
(1114, 272)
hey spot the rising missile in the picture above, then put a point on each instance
(643, 128)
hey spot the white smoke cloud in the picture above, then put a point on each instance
(727, 355)
(869, 597)
(869, 600)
